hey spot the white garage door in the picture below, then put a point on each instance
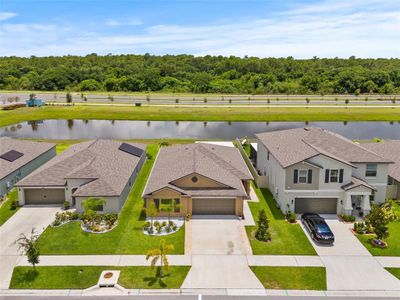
(44, 196)
(315, 205)
(213, 206)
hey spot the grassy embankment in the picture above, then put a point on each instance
(224, 113)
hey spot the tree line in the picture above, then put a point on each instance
(207, 74)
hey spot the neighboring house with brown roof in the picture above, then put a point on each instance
(315, 170)
(199, 179)
(97, 168)
(18, 158)
(390, 149)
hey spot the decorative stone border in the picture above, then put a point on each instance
(179, 222)
(97, 232)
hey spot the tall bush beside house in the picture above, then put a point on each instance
(29, 247)
(160, 254)
(68, 97)
(262, 233)
(379, 218)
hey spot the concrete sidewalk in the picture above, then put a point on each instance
(104, 260)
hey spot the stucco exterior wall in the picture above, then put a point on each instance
(202, 182)
(25, 170)
(289, 181)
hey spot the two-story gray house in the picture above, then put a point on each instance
(315, 170)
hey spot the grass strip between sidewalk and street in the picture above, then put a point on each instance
(292, 278)
(82, 277)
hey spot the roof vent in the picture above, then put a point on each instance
(11, 155)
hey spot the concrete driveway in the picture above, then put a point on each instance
(349, 265)
(38, 217)
(345, 241)
(219, 235)
(219, 246)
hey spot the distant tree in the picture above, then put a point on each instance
(68, 97)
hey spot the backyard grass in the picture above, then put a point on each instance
(109, 112)
(292, 278)
(82, 277)
(394, 271)
(126, 238)
(286, 239)
(393, 240)
(5, 209)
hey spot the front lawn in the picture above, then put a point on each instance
(6, 211)
(291, 278)
(393, 240)
(82, 277)
(126, 238)
(286, 239)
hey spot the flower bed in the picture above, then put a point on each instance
(91, 221)
(161, 226)
(379, 243)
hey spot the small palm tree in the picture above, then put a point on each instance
(151, 212)
(160, 254)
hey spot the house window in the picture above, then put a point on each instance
(390, 181)
(372, 196)
(177, 205)
(157, 203)
(303, 176)
(371, 170)
(170, 205)
(334, 176)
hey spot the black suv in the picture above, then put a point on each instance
(318, 228)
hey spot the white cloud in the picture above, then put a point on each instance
(118, 23)
(330, 29)
(7, 15)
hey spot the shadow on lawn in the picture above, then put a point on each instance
(29, 276)
(275, 211)
(158, 278)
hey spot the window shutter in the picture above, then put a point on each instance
(295, 176)
(341, 175)
(309, 176)
(157, 203)
(326, 175)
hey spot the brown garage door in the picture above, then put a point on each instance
(315, 205)
(44, 196)
(213, 206)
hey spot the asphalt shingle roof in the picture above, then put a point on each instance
(100, 160)
(295, 145)
(219, 163)
(29, 149)
(390, 149)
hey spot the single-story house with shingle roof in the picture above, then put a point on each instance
(314, 170)
(18, 158)
(199, 179)
(97, 168)
(389, 149)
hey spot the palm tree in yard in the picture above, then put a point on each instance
(160, 254)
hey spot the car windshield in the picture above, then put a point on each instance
(322, 228)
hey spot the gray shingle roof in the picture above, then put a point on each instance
(219, 163)
(356, 182)
(295, 145)
(390, 149)
(99, 160)
(30, 150)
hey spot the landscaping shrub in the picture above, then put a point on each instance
(14, 205)
(291, 217)
(66, 205)
(262, 233)
(348, 218)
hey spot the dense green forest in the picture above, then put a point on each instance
(208, 74)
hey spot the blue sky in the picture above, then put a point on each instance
(265, 28)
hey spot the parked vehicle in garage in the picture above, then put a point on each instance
(318, 228)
